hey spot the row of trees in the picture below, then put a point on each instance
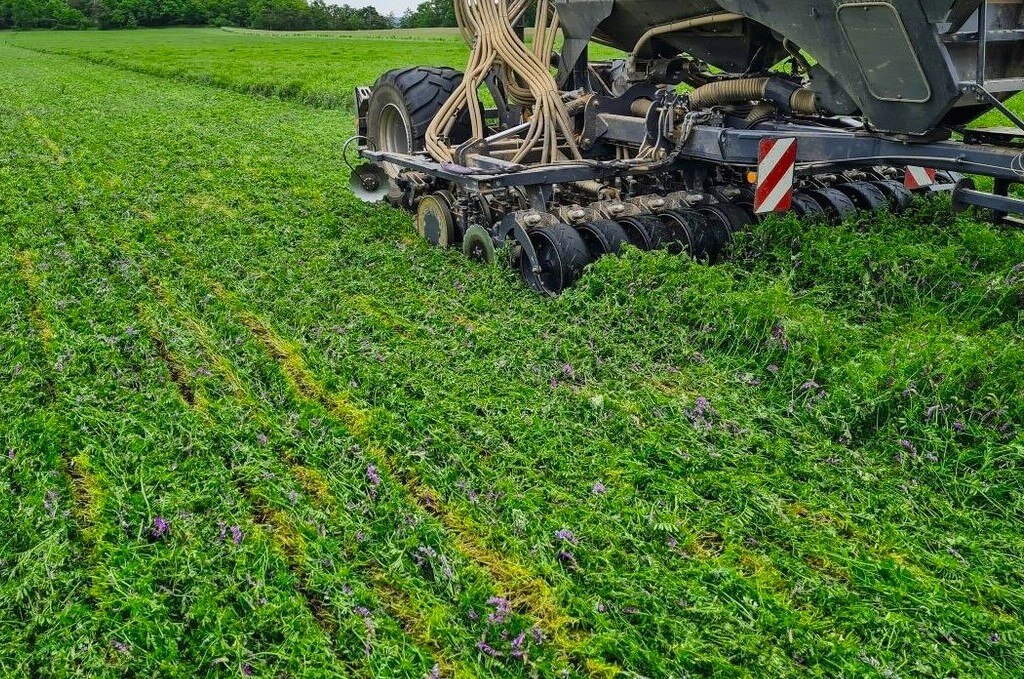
(430, 14)
(288, 15)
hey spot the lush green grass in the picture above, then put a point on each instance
(319, 69)
(803, 461)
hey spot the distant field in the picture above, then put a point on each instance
(251, 426)
(319, 69)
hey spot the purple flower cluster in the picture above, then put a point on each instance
(50, 502)
(161, 528)
(568, 558)
(487, 649)
(779, 336)
(516, 646)
(702, 414)
(372, 476)
(236, 535)
(502, 608)
(598, 489)
(566, 535)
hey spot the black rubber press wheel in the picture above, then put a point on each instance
(602, 237)
(643, 232)
(865, 196)
(561, 253)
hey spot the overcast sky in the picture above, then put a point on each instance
(385, 7)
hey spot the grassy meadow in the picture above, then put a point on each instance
(254, 427)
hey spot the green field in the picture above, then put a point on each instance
(251, 426)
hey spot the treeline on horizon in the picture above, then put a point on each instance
(278, 15)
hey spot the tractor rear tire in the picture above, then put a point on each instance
(403, 103)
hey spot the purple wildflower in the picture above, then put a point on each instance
(517, 646)
(120, 646)
(502, 607)
(423, 555)
(360, 536)
(363, 611)
(808, 385)
(994, 637)
(701, 406)
(598, 489)
(568, 370)
(435, 672)
(554, 383)
(293, 496)
(568, 559)
(10, 453)
(908, 446)
(50, 502)
(601, 608)
(262, 438)
(538, 635)
(160, 528)
(772, 368)
(959, 426)
(472, 615)
(346, 589)
(487, 649)
(460, 287)
(236, 535)
(372, 475)
(701, 414)
(779, 335)
(566, 535)
(247, 669)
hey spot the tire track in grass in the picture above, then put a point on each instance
(85, 485)
(397, 602)
(287, 541)
(26, 260)
(86, 489)
(38, 540)
(525, 590)
(285, 536)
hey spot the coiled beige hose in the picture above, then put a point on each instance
(488, 26)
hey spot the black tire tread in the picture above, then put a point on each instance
(424, 89)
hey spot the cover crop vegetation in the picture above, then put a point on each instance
(252, 426)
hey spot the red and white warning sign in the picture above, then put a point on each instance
(918, 177)
(776, 162)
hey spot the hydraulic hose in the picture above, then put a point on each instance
(782, 93)
(488, 25)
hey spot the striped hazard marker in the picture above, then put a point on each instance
(776, 162)
(918, 177)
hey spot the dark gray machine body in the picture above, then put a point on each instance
(905, 65)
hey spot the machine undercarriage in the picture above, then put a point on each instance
(714, 119)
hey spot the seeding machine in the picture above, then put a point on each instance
(723, 111)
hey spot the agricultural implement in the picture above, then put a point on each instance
(722, 112)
